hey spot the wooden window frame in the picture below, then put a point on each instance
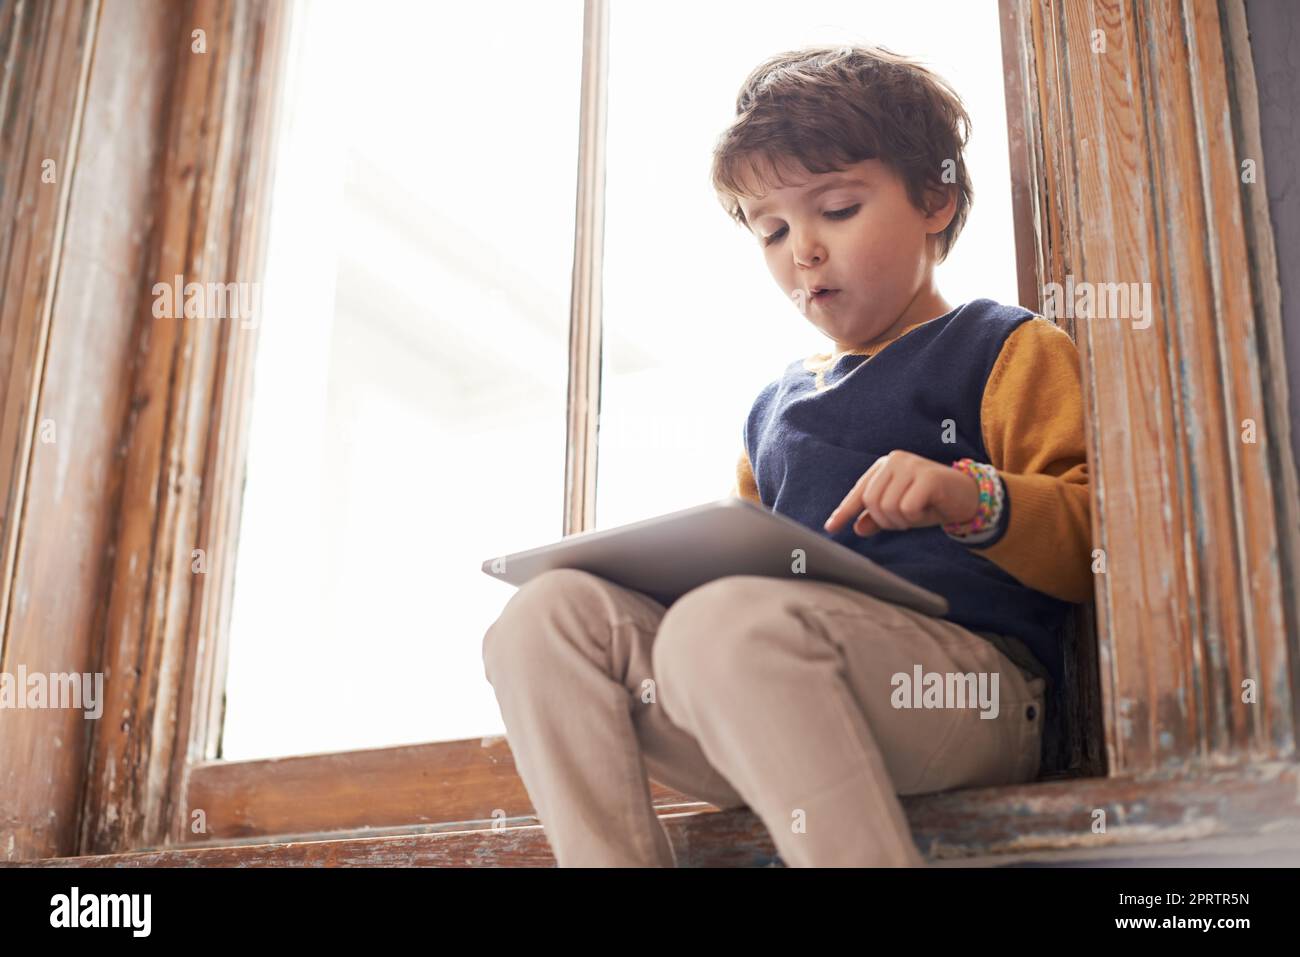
(1191, 603)
(1149, 189)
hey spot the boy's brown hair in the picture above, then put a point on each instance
(830, 107)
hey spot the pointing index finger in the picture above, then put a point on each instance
(849, 506)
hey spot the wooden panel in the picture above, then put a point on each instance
(46, 51)
(71, 254)
(46, 58)
(709, 839)
(1135, 812)
(1267, 295)
(1039, 247)
(470, 780)
(1109, 229)
(209, 191)
(1044, 128)
(60, 570)
(1137, 147)
(1024, 161)
(202, 705)
(583, 414)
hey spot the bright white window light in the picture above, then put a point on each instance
(408, 415)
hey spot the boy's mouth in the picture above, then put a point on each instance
(821, 295)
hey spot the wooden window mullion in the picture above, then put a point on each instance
(585, 320)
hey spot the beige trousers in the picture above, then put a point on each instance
(798, 699)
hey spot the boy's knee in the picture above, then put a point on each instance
(718, 603)
(705, 632)
(561, 597)
(550, 584)
(549, 590)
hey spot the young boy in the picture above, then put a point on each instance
(945, 443)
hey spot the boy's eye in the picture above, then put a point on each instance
(844, 213)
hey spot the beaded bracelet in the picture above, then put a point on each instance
(990, 503)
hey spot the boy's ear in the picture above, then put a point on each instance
(941, 201)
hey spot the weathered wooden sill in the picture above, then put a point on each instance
(1249, 804)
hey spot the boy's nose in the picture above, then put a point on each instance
(808, 251)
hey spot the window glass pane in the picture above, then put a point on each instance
(694, 324)
(409, 390)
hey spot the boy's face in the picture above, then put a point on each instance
(856, 232)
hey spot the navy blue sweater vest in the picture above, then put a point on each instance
(808, 448)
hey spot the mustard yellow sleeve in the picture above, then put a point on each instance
(1032, 415)
(745, 485)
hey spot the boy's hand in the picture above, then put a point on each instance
(903, 490)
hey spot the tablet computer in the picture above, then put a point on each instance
(666, 556)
